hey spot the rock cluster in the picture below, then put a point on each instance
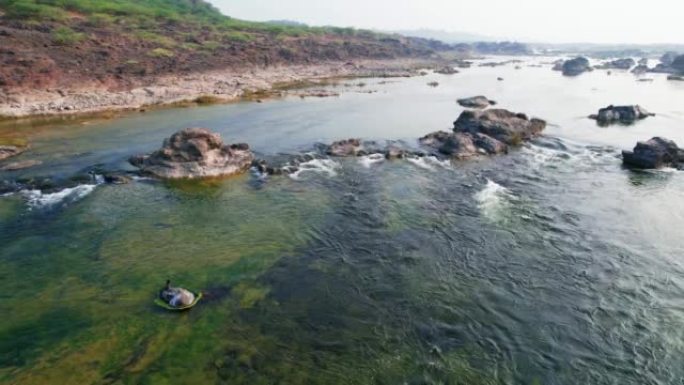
(195, 153)
(447, 70)
(484, 133)
(655, 153)
(619, 64)
(621, 114)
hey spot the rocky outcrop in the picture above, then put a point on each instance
(619, 64)
(10, 151)
(656, 153)
(576, 66)
(621, 114)
(640, 69)
(195, 153)
(347, 147)
(483, 133)
(668, 58)
(21, 165)
(476, 102)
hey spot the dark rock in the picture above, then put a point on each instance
(576, 66)
(347, 147)
(10, 151)
(476, 102)
(117, 178)
(676, 77)
(622, 114)
(393, 152)
(500, 124)
(655, 153)
(195, 153)
(433, 84)
(500, 79)
(490, 145)
(668, 58)
(678, 64)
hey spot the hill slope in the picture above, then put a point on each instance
(116, 43)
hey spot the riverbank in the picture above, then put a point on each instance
(215, 86)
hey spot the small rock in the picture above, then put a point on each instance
(476, 102)
(622, 114)
(347, 147)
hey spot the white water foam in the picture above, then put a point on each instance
(38, 199)
(318, 166)
(429, 162)
(493, 199)
(369, 160)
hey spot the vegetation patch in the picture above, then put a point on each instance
(67, 36)
(161, 53)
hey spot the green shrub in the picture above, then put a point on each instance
(161, 53)
(66, 36)
(157, 39)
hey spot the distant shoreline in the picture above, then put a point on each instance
(211, 86)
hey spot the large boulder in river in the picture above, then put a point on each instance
(476, 102)
(621, 114)
(656, 153)
(576, 66)
(195, 153)
(10, 151)
(484, 133)
(503, 125)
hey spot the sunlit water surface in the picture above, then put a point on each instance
(551, 265)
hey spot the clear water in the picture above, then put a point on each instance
(552, 265)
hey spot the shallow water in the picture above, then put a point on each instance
(552, 265)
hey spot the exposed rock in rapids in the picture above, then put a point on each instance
(195, 153)
(117, 178)
(394, 152)
(503, 125)
(640, 69)
(10, 151)
(483, 133)
(347, 147)
(619, 64)
(476, 102)
(576, 66)
(656, 153)
(447, 70)
(621, 114)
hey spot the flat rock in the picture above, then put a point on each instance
(655, 153)
(503, 125)
(24, 164)
(195, 153)
(476, 102)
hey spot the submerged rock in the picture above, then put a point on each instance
(656, 153)
(576, 66)
(476, 102)
(10, 151)
(195, 153)
(622, 114)
(24, 164)
(487, 132)
(347, 147)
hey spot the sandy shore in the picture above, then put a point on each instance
(223, 85)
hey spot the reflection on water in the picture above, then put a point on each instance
(552, 265)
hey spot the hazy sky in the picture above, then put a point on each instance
(600, 21)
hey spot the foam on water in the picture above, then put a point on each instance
(318, 166)
(429, 162)
(369, 160)
(493, 199)
(38, 199)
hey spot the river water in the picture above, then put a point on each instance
(550, 265)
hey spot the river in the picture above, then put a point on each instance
(550, 265)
